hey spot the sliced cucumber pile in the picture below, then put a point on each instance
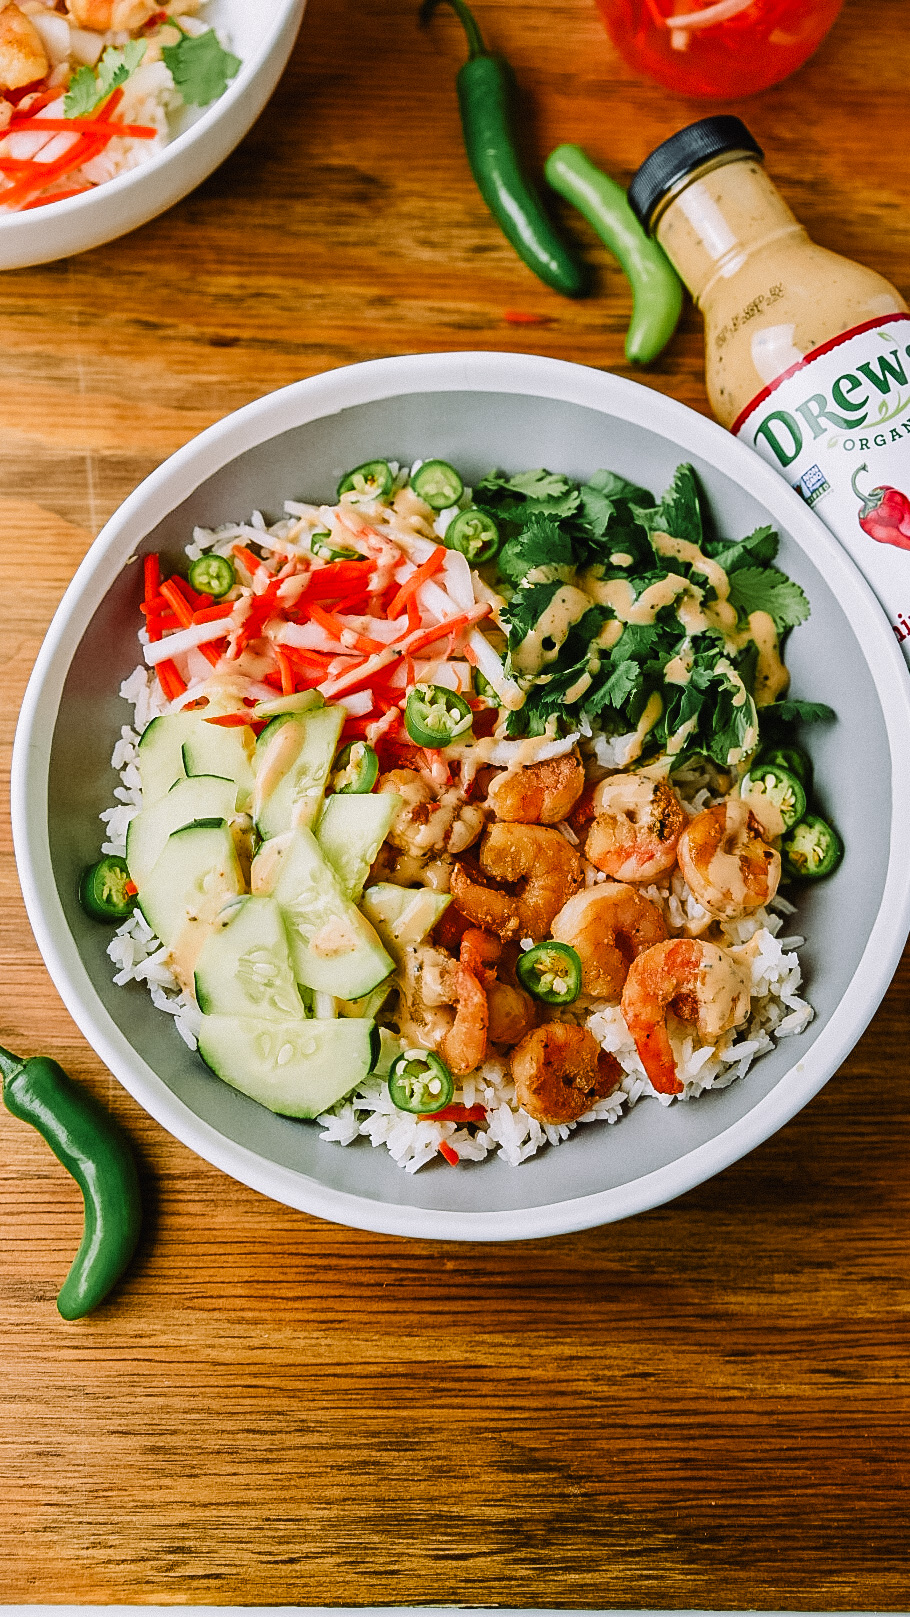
(260, 942)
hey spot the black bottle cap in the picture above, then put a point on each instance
(687, 150)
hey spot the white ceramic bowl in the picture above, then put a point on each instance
(480, 411)
(262, 34)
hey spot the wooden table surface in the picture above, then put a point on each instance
(705, 1406)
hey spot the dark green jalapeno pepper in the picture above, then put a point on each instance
(551, 972)
(438, 484)
(419, 1081)
(475, 534)
(211, 575)
(793, 758)
(435, 716)
(356, 769)
(486, 90)
(811, 848)
(94, 1149)
(372, 480)
(106, 892)
(778, 786)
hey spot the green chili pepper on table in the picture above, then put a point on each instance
(94, 1149)
(656, 287)
(486, 89)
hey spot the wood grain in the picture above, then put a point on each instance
(705, 1406)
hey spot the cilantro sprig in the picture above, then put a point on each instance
(201, 67)
(90, 86)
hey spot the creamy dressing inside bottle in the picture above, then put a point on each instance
(807, 353)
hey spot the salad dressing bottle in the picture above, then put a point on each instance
(807, 353)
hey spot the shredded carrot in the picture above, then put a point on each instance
(440, 631)
(211, 614)
(228, 720)
(170, 680)
(250, 562)
(418, 577)
(77, 126)
(448, 1151)
(285, 670)
(151, 578)
(413, 615)
(130, 888)
(337, 578)
(334, 626)
(178, 602)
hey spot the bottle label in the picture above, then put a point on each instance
(837, 426)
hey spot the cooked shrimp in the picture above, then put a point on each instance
(560, 1071)
(637, 826)
(538, 794)
(425, 824)
(464, 1046)
(523, 876)
(23, 59)
(102, 15)
(729, 867)
(512, 1013)
(700, 982)
(608, 926)
(424, 982)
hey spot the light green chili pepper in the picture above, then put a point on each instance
(656, 287)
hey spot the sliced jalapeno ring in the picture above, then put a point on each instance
(475, 534)
(435, 716)
(420, 1082)
(356, 768)
(779, 787)
(211, 575)
(438, 484)
(811, 848)
(551, 972)
(104, 890)
(321, 546)
(793, 758)
(371, 481)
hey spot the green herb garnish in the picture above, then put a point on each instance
(200, 67)
(90, 86)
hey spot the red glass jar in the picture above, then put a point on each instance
(718, 49)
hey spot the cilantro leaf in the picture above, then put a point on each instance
(760, 546)
(536, 485)
(540, 544)
(88, 89)
(525, 608)
(767, 589)
(200, 67)
(599, 498)
(791, 710)
(679, 511)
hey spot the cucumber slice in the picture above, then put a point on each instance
(217, 749)
(161, 754)
(191, 881)
(205, 797)
(244, 966)
(292, 769)
(403, 915)
(334, 950)
(370, 1005)
(351, 832)
(295, 1068)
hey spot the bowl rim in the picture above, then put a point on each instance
(330, 393)
(72, 208)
